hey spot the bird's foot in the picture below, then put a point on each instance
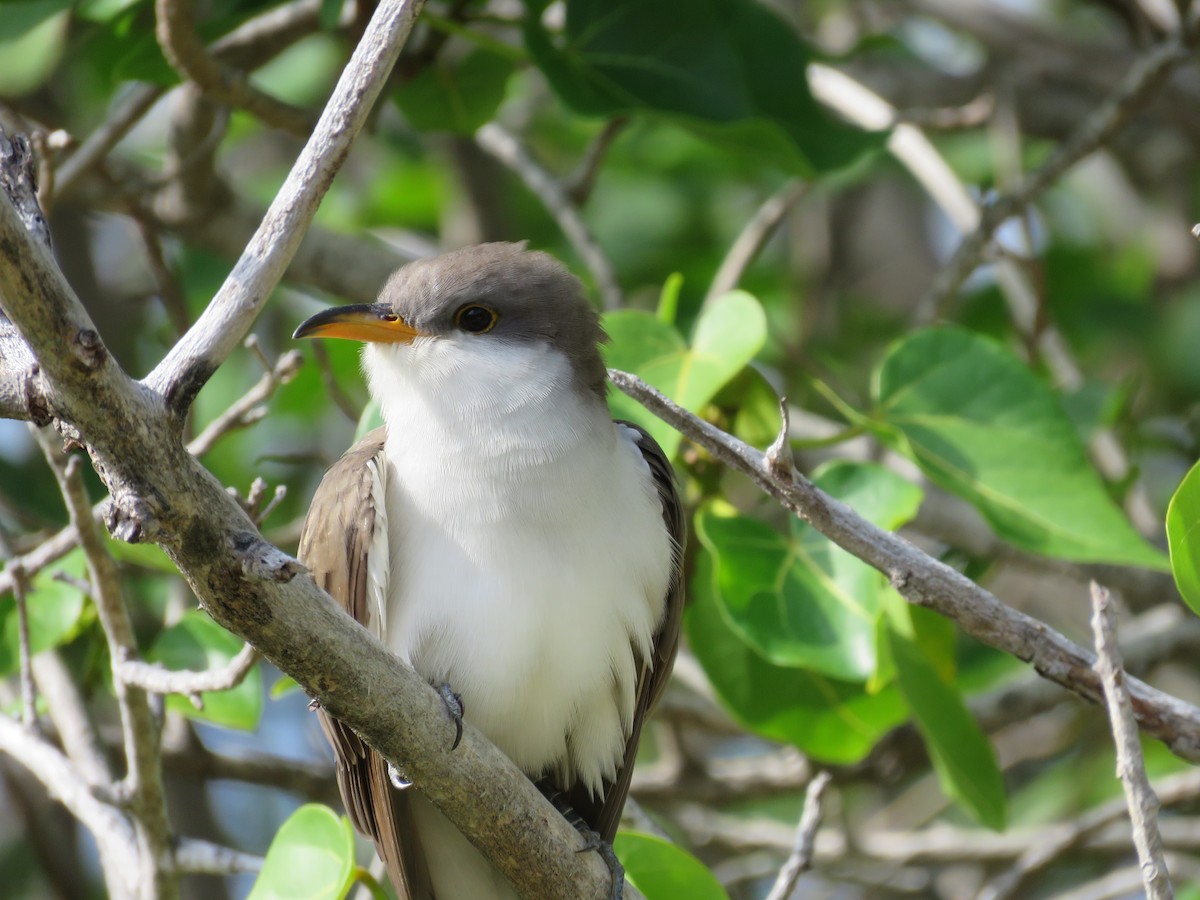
(455, 707)
(592, 841)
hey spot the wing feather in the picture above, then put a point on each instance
(339, 533)
(604, 813)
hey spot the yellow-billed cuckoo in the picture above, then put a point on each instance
(502, 535)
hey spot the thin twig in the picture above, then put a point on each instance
(929, 582)
(241, 413)
(578, 185)
(158, 680)
(498, 142)
(178, 37)
(1146, 74)
(753, 237)
(135, 104)
(119, 857)
(1039, 851)
(196, 857)
(801, 856)
(143, 784)
(1131, 768)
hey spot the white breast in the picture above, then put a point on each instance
(528, 555)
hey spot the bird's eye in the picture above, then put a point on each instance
(476, 319)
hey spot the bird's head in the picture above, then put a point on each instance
(489, 301)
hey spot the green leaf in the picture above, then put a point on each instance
(147, 556)
(311, 858)
(961, 754)
(728, 334)
(837, 722)
(798, 599)
(370, 419)
(981, 425)
(731, 70)
(662, 871)
(1183, 537)
(456, 97)
(197, 643)
(55, 613)
(283, 686)
(32, 37)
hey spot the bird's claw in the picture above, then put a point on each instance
(455, 707)
(592, 841)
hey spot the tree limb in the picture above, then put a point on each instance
(925, 581)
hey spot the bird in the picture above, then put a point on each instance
(504, 536)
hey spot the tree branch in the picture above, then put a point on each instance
(925, 581)
(179, 377)
(1131, 768)
(505, 147)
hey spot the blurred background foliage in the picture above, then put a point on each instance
(1029, 427)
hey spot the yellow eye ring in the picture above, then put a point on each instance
(476, 319)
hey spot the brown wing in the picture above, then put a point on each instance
(604, 814)
(334, 545)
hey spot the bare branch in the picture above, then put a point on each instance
(119, 855)
(806, 835)
(506, 148)
(1143, 78)
(1131, 768)
(232, 311)
(926, 581)
(753, 238)
(159, 680)
(143, 785)
(240, 414)
(195, 857)
(135, 104)
(70, 718)
(181, 45)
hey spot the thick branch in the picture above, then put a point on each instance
(926, 581)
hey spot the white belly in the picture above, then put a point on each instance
(527, 588)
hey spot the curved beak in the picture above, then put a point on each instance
(373, 322)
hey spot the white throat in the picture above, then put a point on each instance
(528, 557)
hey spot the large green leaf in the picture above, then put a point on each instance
(798, 599)
(197, 643)
(731, 70)
(964, 760)
(983, 426)
(728, 334)
(1183, 537)
(837, 722)
(311, 858)
(662, 871)
(456, 96)
(55, 613)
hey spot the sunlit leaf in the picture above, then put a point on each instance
(798, 599)
(728, 334)
(55, 611)
(983, 426)
(962, 756)
(311, 858)
(1183, 537)
(832, 721)
(663, 871)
